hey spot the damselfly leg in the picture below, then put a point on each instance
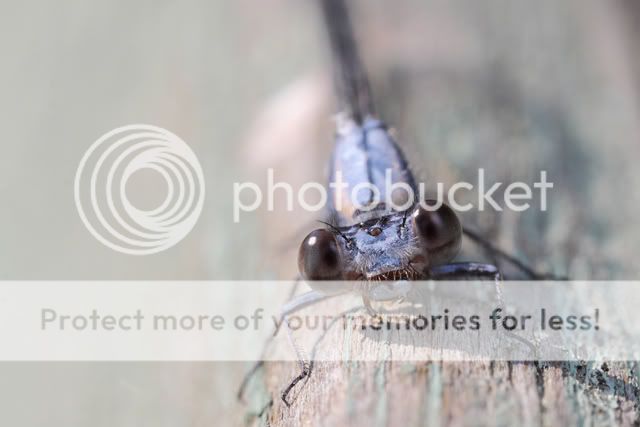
(465, 271)
(479, 271)
(496, 252)
(295, 304)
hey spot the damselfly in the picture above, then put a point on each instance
(379, 244)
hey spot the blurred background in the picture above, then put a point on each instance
(510, 86)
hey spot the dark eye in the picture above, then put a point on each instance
(437, 228)
(319, 256)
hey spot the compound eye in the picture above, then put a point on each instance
(319, 256)
(437, 227)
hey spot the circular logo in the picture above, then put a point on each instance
(101, 196)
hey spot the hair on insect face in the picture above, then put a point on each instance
(396, 246)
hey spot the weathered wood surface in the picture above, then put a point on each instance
(512, 95)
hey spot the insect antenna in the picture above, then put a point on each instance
(404, 221)
(404, 217)
(337, 231)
